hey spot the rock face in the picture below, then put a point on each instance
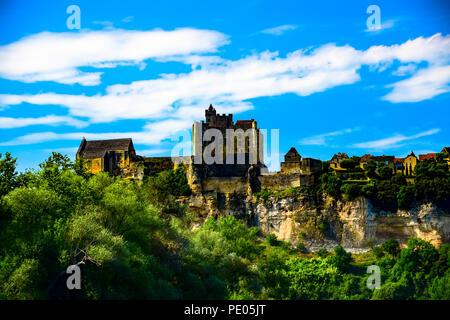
(354, 225)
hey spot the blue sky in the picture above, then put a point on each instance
(148, 69)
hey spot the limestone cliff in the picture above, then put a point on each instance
(326, 223)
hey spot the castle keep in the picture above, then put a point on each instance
(226, 141)
(227, 158)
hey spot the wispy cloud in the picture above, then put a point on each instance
(394, 141)
(172, 101)
(321, 139)
(128, 19)
(405, 70)
(388, 24)
(152, 152)
(105, 23)
(425, 84)
(69, 151)
(8, 123)
(278, 31)
(48, 56)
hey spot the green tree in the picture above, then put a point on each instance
(391, 247)
(8, 174)
(341, 258)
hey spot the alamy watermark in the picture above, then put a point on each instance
(74, 20)
(74, 280)
(374, 280)
(227, 146)
(374, 21)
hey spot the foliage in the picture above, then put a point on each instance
(391, 247)
(272, 240)
(133, 241)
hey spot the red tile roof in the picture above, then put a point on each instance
(399, 160)
(366, 157)
(245, 121)
(423, 157)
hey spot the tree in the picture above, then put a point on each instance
(440, 288)
(351, 191)
(391, 247)
(312, 278)
(405, 197)
(341, 258)
(370, 169)
(349, 163)
(272, 240)
(8, 174)
(333, 186)
(385, 172)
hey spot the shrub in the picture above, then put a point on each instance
(391, 247)
(272, 240)
(351, 191)
(377, 252)
(341, 258)
(322, 253)
(301, 247)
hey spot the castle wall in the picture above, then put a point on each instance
(279, 181)
(225, 184)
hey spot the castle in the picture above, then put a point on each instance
(228, 157)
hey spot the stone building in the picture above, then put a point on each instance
(398, 165)
(116, 156)
(292, 161)
(226, 141)
(335, 162)
(386, 160)
(409, 164)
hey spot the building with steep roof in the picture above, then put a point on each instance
(292, 161)
(111, 155)
(335, 162)
(409, 163)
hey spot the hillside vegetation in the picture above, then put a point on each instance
(134, 240)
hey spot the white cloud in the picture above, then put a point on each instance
(153, 152)
(320, 139)
(393, 142)
(425, 84)
(55, 57)
(232, 83)
(173, 101)
(105, 23)
(69, 151)
(128, 19)
(405, 70)
(8, 123)
(278, 31)
(385, 25)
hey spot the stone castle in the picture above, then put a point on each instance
(235, 162)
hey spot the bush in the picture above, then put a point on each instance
(301, 247)
(272, 240)
(440, 289)
(341, 258)
(322, 253)
(391, 247)
(405, 197)
(377, 252)
(351, 191)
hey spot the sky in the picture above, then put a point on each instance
(328, 75)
